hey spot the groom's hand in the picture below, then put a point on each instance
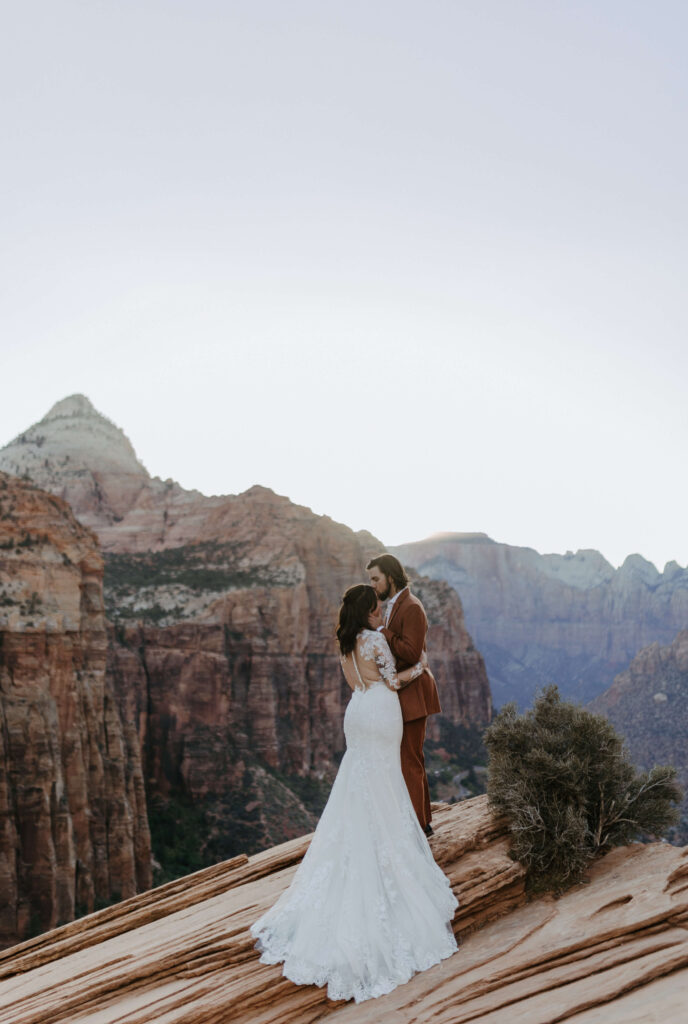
(375, 619)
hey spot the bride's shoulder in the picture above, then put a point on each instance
(370, 641)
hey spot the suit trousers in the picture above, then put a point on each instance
(413, 768)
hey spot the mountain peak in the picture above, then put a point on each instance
(72, 431)
(70, 407)
(636, 565)
(78, 453)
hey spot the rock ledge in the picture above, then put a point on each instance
(613, 950)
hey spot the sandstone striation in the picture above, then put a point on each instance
(612, 950)
(73, 826)
(569, 619)
(648, 705)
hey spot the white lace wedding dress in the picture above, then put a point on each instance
(368, 905)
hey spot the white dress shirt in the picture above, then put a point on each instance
(390, 605)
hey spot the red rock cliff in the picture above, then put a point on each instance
(223, 653)
(73, 827)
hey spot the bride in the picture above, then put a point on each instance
(368, 905)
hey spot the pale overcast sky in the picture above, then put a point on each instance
(418, 265)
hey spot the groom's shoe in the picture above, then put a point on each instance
(428, 831)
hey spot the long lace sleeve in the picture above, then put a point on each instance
(377, 648)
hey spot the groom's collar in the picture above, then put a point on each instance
(393, 604)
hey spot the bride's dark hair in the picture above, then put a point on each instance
(357, 604)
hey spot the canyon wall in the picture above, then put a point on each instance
(569, 619)
(225, 650)
(648, 705)
(73, 826)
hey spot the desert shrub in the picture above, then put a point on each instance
(563, 778)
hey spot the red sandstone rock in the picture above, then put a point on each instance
(610, 951)
(73, 825)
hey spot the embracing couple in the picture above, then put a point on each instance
(368, 905)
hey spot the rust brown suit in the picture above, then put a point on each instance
(405, 633)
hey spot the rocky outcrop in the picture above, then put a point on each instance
(73, 827)
(78, 454)
(569, 619)
(648, 705)
(612, 951)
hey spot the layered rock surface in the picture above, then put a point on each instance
(569, 619)
(612, 950)
(648, 705)
(73, 826)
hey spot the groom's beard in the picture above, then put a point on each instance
(385, 596)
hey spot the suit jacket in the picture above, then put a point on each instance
(405, 633)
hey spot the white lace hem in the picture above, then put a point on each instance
(338, 987)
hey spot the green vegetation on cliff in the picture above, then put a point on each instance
(158, 585)
(564, 780)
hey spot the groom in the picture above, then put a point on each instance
(405, 630)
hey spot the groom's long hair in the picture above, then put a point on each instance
(392, 568)
(357, 604)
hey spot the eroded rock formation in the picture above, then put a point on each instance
(73, 826)
(648, 705)
(568, 619)
(612, 951)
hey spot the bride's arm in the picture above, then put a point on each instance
(384, 659)
(409, 674)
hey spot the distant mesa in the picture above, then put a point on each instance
(572, 619)
(466, 538)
